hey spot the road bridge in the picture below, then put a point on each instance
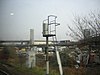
(38, 43)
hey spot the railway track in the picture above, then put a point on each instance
(3, 72)
(4, 69)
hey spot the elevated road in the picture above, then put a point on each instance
(26, 43)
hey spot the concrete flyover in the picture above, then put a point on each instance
(38, 43)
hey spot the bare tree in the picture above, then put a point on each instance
(86, 27)
(91, 22)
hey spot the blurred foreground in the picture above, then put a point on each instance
(13, 64)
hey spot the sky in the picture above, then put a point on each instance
(17, 17)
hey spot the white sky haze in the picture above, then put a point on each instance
(17, 17)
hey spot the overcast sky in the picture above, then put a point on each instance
(17, 17)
